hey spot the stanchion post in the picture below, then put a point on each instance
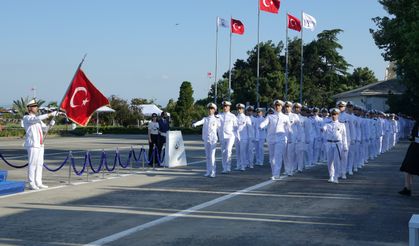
(131, 165)
(103, 170)
(117, 166)
(154, 155)
(142, 147)
(70, 155)
(88, 158)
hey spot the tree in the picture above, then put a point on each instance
(398, 36)
(184, 106)
(361, 76)
(20, 106)
(124, 115)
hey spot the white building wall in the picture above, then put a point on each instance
(370, 102)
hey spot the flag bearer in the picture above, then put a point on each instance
(336, 144)
(34, 144)
(211, 125)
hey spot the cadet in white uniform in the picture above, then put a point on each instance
(317, 143)
(295, 135)
(244, 131)
(278, 129)
(227, 136)
(347, 120)
(260, 136)
(336, 144)
(300, 144)
(252, 138)
(211, 125)
(34, 144)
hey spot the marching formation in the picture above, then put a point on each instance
(345, 137)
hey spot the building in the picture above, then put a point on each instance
(373, 96)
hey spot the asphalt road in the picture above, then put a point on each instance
(181, 207)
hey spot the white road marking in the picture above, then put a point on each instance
(182, 213)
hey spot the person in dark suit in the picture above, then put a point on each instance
(410, 165)
(163, 129)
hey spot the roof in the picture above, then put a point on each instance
(149, 109)
(380, 88)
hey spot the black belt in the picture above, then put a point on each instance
(333, 141)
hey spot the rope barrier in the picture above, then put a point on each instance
(84, 165)
(114, 164)
(10, 164)
(102, 158)
(59, 167)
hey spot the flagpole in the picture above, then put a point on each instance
(229, 66)
(286, 57)
(302, 62)
(68, 88)
(216, 61)
(258, 55)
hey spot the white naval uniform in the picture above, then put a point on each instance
(34, 128)
(336, 145)
(252, 143)
(211, 124)
(294, 156)
(317, 143)
(278, 129)
(244, 133)
(350, 140)
(260, 136)
(310, 136)
(227, 138)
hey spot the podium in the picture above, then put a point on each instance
(175, 154)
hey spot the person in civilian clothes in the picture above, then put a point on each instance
(34, 143)
(211, 125)
(244, 133)
(410, 165)
(227, 137)
(336, 144)
(278, 126)
(153, 139)
(164, 127)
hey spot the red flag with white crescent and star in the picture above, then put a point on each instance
(294, 23)
(237, 27)
(271, 6)
(82, 99)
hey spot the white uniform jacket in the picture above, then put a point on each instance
(34, 128)
(278, 127)
(228, 125)
(336, 132)
(211, 125)
(244, 130)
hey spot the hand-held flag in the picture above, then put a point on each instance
(294, 23)
(82, 99)
(309, 22)
(237, 27)
(271, 6)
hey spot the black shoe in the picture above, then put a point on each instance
(405, 192)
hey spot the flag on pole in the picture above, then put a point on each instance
(222, 22)
(237, 27)
(309, 22)
(294, 23)
(209, 74)
(82, 99)
(271, 6)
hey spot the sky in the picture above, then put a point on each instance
(146, 49)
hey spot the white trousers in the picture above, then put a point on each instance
(210, 155)
(276, 156)
(259, 151)
(251, 153)
(35, 166)
(317, 143)
(300, 150)
(226, 151)
(334, 159)
(242, 153)
(289, 159)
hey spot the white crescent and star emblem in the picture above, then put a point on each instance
(237, 28)
(84, 102)
(267, 4)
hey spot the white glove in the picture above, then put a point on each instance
(193, 125)
(52, 122)
(55, 113)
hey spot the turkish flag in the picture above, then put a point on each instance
(82, 99)
(294, 23)
(271, 6)
(237, 27)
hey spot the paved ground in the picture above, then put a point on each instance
(180, 207)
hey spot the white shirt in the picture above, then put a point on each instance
(153, 127)
(296, 133)
(228, 125)
(34, 128)
(211, 125)
(336, 131)
(260, 134)
(278, 127)
(244, 127)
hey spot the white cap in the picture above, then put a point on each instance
(278, 102)
(341, 103)
(297, 105)
(240, 105)
(334, 110)
(250, 108)
(212, 105)
(288, 103)
(226, 103)
(32, 103)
